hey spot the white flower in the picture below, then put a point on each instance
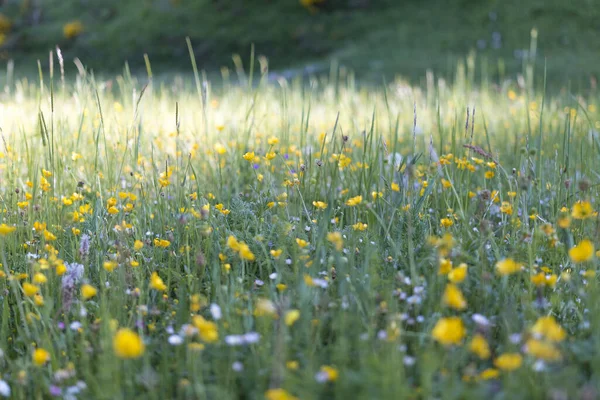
(215, 311)
(480, 320)
(322, 376)
(4, 389)
(237, 366)
(175, 340)
(251, 337)
(75, 325)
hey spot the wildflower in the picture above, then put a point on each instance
(541, 279)
(279, 394)
(29, 289)
(88, 291)
(291, 317)
(137, 245)
(276, 253)
(232, 243)
(4, 389)
(507, 266)
(359, 226)
(40, 357)
(446, 222)
(72, 29)
(542, 350)
(265, 307)
(336, 239)
(584, 251)
(110, 266)
(458, 274)
(508, 361)
(506, 208)
(162, 243)
(582, 210)
(128, 344)
(321, 205)
(40, 278)
(445, 266)
(49, 236)
(449, 331)
(207, 330)
(157, 283)
(6, 230)
(248, 156)
(489, 373)
(327, 374)
(548, 328)
(454, 298)
(489, 174)
(480, 347)
(395, 187)
(354, 201)
(301, 243)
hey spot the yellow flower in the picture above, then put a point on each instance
(395, 187)
(564, 222)
(449, 331)
(291, 317)
(88, 291)
(336, 239)
(584, 251)
(480, 347)
(489, 373)
(137, 245)
(5, 229)
(508, 361)
(354, 201)
(582, 210)
(40, 278)
(265, 307)
(40, 357)
(446, 222)
(542, 350)
(445, 266)
(506, 208)
(72, 29)
(279, 394)
(245, 252)
(330, 373)
(276, 253)
(207, 330)
(157, 283)
(163, 243)
(507, 266)
(127, 344)
(272, 141)
(29, 289)
(302, 243)
(248, 156)
(359, 226)
(458, 274)
(110, 265)
(453, 297)
(548, 328)
(321, 205)
(49, 236)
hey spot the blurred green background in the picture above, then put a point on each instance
(374, 38)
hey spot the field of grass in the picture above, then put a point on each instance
(251, 238)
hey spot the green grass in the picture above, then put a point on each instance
(222, 183)
(380, 39)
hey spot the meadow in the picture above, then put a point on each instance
(253, 237)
